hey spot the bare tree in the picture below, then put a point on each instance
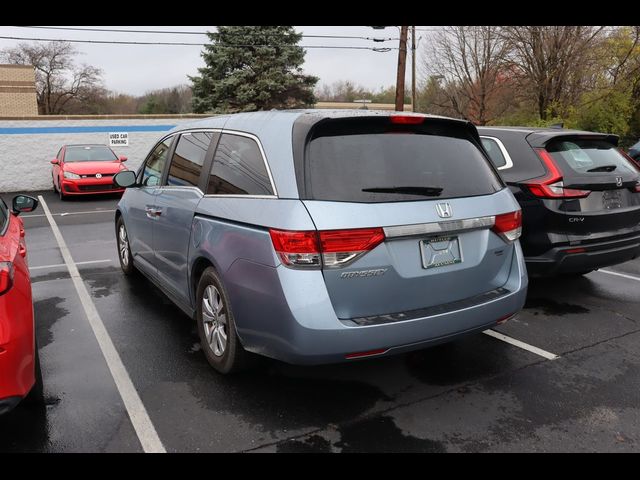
(553, 63)
(58, 79)
(470, 61)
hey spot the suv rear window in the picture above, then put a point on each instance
(372, 161)
(584, 156)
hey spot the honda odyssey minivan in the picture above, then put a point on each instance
(319, 236)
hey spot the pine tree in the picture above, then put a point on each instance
(251, 68)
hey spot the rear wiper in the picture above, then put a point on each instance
(604, 168)
(423, 191)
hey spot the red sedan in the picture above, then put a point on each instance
(86, 170)
(19, 367)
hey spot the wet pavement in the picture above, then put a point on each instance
(476, 394)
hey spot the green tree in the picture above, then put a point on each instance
(250, 68)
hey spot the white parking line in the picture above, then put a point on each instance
(145, 430)
(88, 212)
(519, 344)
(629, 277)
(44, 267)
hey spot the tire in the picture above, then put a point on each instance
(61, 195)
(215, 322)
(36, 395)
(124, 249)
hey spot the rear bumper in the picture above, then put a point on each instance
(294, 321)
(566, 259)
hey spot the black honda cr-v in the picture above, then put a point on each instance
(580, 196)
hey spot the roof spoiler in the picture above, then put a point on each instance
(541, 139)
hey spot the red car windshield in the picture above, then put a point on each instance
(89, 154)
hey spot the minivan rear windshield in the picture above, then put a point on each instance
(353, 163)
(89, 154)
(589, 156)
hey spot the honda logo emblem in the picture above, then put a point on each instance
(444, 210)
(619, 181)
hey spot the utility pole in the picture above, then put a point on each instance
(414, 95)
(402, 64)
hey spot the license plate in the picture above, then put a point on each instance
(440, 251)
(612, 199)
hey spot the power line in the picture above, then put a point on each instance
(176, 32)
(115, 42)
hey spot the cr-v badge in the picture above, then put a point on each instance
(444, 210)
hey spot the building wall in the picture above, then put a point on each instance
(18, 90)
(28, 146)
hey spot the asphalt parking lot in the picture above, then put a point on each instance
(565, 378)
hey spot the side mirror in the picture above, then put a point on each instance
(55, 161)
(23, 204)
(122, 158)
(125, 179)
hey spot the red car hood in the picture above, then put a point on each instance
(91, 168)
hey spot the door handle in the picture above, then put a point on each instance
(153, 213)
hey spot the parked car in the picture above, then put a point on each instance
(580, 197)
(20, 375)
(316, 237)
(86, 170)
(634, 152)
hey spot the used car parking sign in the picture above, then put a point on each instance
(119, 139)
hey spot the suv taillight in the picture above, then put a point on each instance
(551, 185)
(329, 249)
(6, 277)
(509, 226)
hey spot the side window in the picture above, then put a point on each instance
(495, 153)
(4, 216)
(59, 153)
(238, 168)
(186, 165)
(154, 166)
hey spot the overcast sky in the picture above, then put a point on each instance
(136, 69)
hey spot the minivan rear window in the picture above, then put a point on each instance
(589, 156)
(373, 164)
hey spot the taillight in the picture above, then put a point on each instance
(406, 120)
(330, 248)
(340, 247)
(6, 277)
(297, 249)
(551, 185)
(637, 188)
(509, 226)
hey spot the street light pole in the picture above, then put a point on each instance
(402, 64)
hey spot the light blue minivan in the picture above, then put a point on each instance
(324, 236)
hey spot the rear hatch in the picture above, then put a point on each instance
(405, 207)
(591, 188)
